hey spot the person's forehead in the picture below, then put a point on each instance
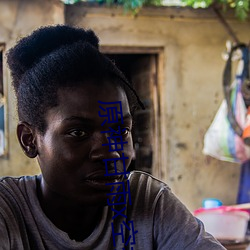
(93, 98)
(103, 90)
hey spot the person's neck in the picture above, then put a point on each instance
(76, 220)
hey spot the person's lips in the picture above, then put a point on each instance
(102, 175)
(99, 181)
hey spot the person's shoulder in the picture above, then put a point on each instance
(8, 180)
(146, 185)
(16, 191)
(142, 178)
(10, 185)
(5, 180)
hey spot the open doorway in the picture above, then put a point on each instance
(140, 66)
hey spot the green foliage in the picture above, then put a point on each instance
(70, 1)
(241, 7)
(134, 6)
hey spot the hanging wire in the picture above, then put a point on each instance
(225, 24)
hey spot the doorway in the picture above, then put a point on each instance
(140, 66)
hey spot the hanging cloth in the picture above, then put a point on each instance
(223, 139)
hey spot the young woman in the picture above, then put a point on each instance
(75, 113)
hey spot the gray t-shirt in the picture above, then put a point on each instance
(159, 220)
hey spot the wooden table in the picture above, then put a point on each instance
(235, 245)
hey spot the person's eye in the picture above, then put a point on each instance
(125, 131)
(77, 133)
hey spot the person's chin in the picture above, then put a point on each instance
(94, 200)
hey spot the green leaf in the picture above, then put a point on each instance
(241, 7)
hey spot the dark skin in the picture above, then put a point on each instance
(72, 191)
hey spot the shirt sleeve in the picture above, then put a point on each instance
(10, 219)
(4, 238)
(176, 228)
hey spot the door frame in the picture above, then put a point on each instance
(159, 143)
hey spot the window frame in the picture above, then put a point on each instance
(4, 152)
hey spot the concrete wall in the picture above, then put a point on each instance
(18, 18)
(191, 91)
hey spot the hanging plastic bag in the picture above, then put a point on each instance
(223, 138)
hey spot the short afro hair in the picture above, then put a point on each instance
(58, 56)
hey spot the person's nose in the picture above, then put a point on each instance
(98, 151)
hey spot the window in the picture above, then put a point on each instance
(2, 108)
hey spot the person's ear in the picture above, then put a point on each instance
(26, 137)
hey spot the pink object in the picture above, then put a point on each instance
(225, 222)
